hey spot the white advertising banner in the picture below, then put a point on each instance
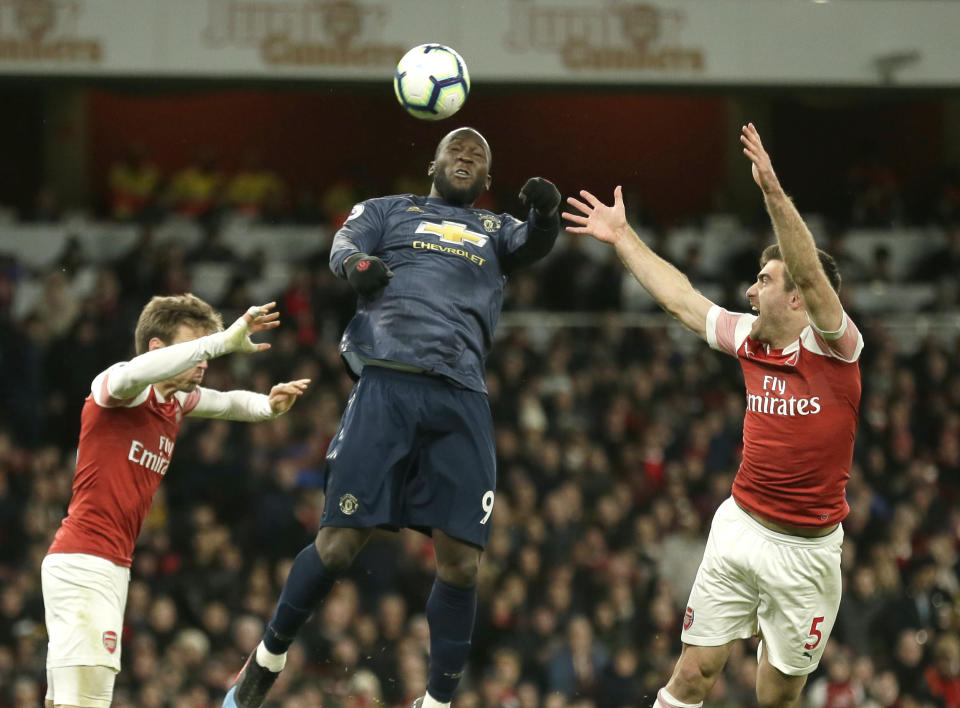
(726, 42)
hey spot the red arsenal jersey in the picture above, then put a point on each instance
(123, 455)
(802, 407)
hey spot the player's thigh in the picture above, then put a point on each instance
(799, 599)
(371, 452)
(84, 599)
(80, 686)
(724, 598)
(454, 487)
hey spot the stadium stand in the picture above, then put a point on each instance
(617, 435)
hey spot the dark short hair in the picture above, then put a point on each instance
(163, 316)
(827, 262)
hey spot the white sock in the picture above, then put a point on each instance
(274, 662)
(665, 700)
(431, 702)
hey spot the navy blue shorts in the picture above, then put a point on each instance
(414, 451)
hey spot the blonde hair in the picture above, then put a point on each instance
(163, 316)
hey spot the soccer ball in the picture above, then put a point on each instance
(431, 82)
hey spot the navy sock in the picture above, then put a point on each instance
(450, 614)
(309, 582)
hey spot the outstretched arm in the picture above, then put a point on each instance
(543, 224)
(796, 242)
(246, 405)
(125, 381)
(668, 286)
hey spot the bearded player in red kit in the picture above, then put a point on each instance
(128, 428)
(771, 567)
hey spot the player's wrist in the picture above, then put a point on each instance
(773, 190)
(235, 338)
(623, 237)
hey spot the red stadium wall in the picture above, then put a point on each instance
(668, 148)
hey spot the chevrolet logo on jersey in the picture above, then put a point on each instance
(452, 232)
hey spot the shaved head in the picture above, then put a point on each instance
(459, 132)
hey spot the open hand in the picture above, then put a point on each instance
(255, 319)
(762, 167)
(284, 395)
(605, 223)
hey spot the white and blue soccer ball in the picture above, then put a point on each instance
(431, 82)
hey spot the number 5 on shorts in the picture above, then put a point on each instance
(487, 504)
(814, 633)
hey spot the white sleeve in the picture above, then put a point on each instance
(727, 330)
(126, 380)
(845, 343)
(245, 406)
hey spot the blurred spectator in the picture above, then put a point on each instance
(576, 669)
(943, 677)
(57, 308)
(837, 689)
(194, 190)
(253, 188)
(337, 201)
(133, 183)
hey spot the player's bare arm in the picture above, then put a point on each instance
(796, 242)
(668, 286)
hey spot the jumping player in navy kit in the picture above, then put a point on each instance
(415, 446)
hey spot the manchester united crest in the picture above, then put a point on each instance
(349, 504)
(490, 223)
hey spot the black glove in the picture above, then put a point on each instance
(366, 274)
(541, 195)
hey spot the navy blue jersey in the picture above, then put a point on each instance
(439, 311)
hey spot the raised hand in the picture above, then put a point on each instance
(255, 319)
(761, 167)
(284, 395)
(541, 195)
(605, 223)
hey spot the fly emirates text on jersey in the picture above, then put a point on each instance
(773, 403)
(154, 461)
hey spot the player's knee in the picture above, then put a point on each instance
(460, 569)
(781, 694)
(337, 549)
(777, 700)
(692, 680)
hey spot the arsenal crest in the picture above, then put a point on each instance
(688, 618)
(110, 641)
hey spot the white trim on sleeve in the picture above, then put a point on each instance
(713, 314)
(828, 334)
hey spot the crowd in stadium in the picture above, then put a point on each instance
(615, 446)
